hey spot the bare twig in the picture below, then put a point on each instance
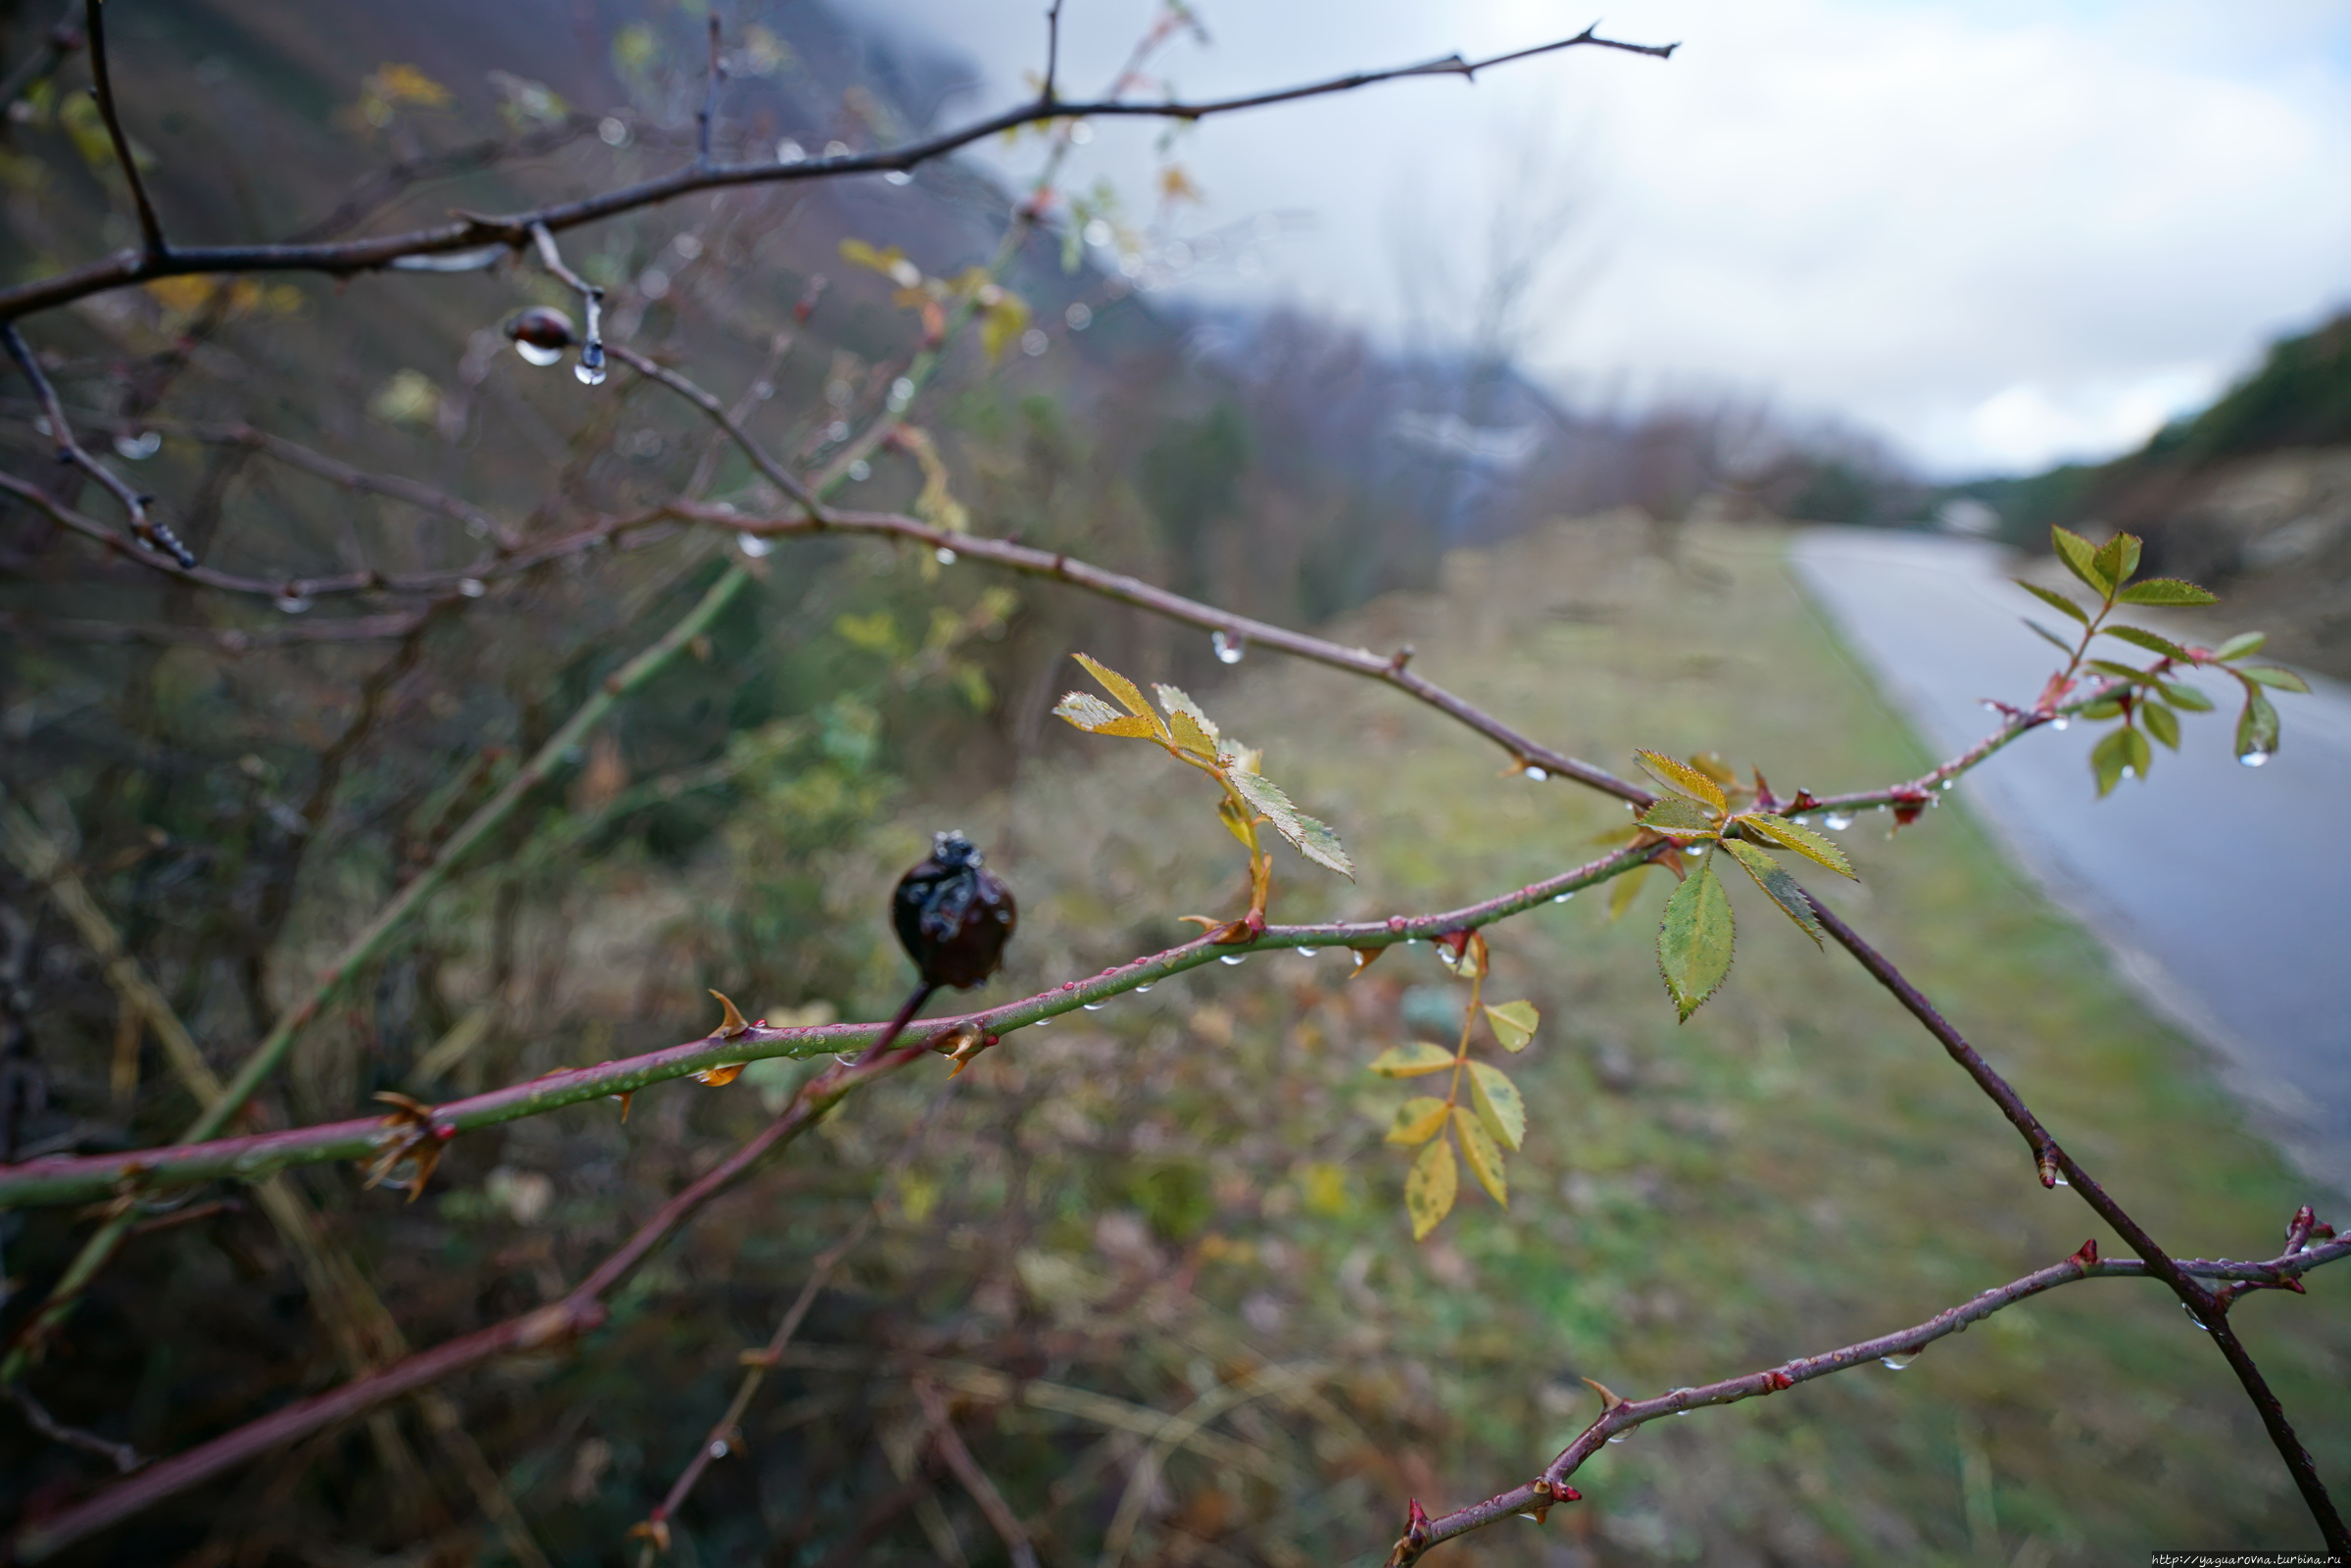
(708, 118)
(1046, 95)
(514, 231)
(949, 1443)
(122, 1455)
(61, 432)
(1552, 1488)
(783, 478)
(591, 299)
(150, 227)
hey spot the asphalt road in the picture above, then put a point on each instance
(2224, 891)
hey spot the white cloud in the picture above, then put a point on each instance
(1994, 231)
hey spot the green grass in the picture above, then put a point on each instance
(1796, 1167)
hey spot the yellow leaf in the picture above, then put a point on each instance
(1129, 696)
(1412, 1061)
(1417, 1121)
(1001, 323)
(1484, 1155)
(1429, 1188)
(1190, 737)
(1513, 1024)
(1176, 186)
(406, 84)
(1091, 713)
(1684, 777)
(1499, 1107)
(1799, 837)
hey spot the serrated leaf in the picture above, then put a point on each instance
(1483, 1155)
(2107, 666)
(1129, 696)
(1417, 1121)
(1411, 1061)
(2117, 558)
(1190, 737)
(1675, 813)
(2080, 556)
(1087, 712)
(2161, 723)
(1513, 1024)
(2285, 680)
(2167, 591)
(2107, 762)
(1778, 886)
(1628, 888)
(1680, 775)
(2139, 637)
(1799, 837)
(1499, 1104)
(1312, 838)
(2184, 697)
(1694, 941)
(2053, 599)
(2046, 635)
(1429, 1188)
(2256, 727)
(2242, 645)
(1716, 767)
(1174, 699)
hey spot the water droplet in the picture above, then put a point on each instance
(1034, 342)
(1947, 783)
(720, 1449)
(788, 151)
(860, 471)
(836, 148)
(1307, 953)
(1620, 1437)
(902, 391)
(2061, 724)
(1537, 775)
(1684, 1410)
(1229, 648)
(1562, 897)
(1232, 961)
(533, 354)
(2059, 1181)
(1139, 990)
(1836, 821)
(590, 370)
(1041, 1023)
(293, 603)
(1899, 1360)
(1081, 133)
(138, 448)
(1079, 318)
(753, 545)
(899, 176)
(944, 555)
(471, 587)
(838, 430)
(1097, 233)
(611, 132)
(2129, 771)
(2253, 757)
(2192, 1318)
(1096, 1006)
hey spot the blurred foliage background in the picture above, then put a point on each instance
(1153, 1257)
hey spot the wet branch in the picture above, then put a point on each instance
(150, 227)
(1619, 1417)
(70, 451)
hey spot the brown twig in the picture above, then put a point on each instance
(1619, 1417)
(70, 451)
(122, 1455)
(150, 227)
(965, 1469)
(516, 230)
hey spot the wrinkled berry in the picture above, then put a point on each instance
(954, 915)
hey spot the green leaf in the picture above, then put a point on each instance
(2139, 637)
(2117, 558)
(2256, 727)
(1798, 837)
(2107, 762)
(1778, 886)
(1312, 838)
(2046, 635)
(1483, 1155)
(2242, 645)
(1417, 1121)
(2184, 697)
(2167, 591)
(1429, 1188)
(1513, 1024)
(1628, 888)
(1499, 1104)
(1675, 813)
(2136, 751)
(1694, 942)
(1411, 1061)
(2053, 599)
(2161, 723)
(1680, 775)
(2285, 680)
(2107, 666)
(2080, 557)
(2105, 707)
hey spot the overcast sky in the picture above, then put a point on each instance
(1997, 232)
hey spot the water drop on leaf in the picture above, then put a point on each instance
(2255, 756)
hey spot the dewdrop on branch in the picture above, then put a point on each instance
(540, 334)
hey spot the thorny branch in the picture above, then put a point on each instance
(1619, 1417)
(514, 231)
